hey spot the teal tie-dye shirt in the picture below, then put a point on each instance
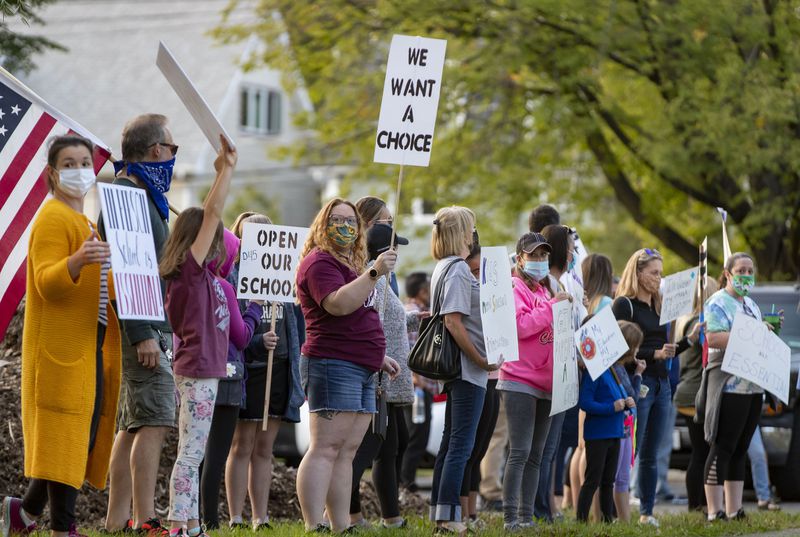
(720, 310)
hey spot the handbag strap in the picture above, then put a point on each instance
(437, 292)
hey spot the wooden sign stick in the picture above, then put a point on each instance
(270, 355)
(396, 216)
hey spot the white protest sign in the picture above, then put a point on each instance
(133, 253)
(565, 364)
(678, 292)
(268, 261)
(498, 313)
(410, 100)
(755, 353)
(600, 342)
(191, 98)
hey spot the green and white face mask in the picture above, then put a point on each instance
(743, 283)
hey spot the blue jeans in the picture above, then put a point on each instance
(758, 466)
(461, 416)
(654, 410)
(541, 506)
(665, 453)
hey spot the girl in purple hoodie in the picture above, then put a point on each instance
(525, 385)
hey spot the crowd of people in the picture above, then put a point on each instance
(98, 405)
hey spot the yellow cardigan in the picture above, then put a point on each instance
(59, 356)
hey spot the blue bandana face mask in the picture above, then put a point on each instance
(537, 270)
(156, 176)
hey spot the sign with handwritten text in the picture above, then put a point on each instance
(133, 252)
(565, 362)
(268, 261)
(755, 353)
(410, 100)
(600, 342)
(498, 313)
(678, 292)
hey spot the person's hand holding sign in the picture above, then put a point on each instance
(619, 405)
(92, 251)
(227, 156)
(385, 262)
(667, 351)
(270, 340)
(629, 402)
(694, 335)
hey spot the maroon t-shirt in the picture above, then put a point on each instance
(357, 337)
(198, 311)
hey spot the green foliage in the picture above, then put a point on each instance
(635, 117)
(247, 198)
(17, 50)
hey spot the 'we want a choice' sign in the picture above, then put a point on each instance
(126, 219)
(410, 100)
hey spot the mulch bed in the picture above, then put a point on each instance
(91, 508)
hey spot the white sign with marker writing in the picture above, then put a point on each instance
(678, 292)
(498, 312)
(565, 363)
(600, 342)
(134, 265)
(268, 261)
(755, 353)
(410, 100)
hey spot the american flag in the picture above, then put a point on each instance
(26, 124)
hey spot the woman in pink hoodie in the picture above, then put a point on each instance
(525, 385)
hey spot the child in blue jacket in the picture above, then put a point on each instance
(606, 404)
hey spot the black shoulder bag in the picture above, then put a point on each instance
(435, 354)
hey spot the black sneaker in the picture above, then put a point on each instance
(719, 517)
(740, 515)
(319, 528)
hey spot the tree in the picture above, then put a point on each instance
(679, 107)
(16, 50)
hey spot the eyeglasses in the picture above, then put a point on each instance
(337, 220)
(386, 221)
(172, 147)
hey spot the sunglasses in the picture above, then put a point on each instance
(172, 147)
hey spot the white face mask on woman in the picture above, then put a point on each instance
(76, 182)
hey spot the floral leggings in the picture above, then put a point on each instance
(197, 398)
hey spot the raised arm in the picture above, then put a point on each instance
(215, 201)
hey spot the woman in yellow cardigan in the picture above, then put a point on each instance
(70, 350)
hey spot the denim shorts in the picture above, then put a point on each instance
(337, 385)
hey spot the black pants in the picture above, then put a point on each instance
(602, 457)
(62, 497)
(491, 409)
(694, 472)
(220, 437)
(418, 434)
(387, 455)
(738, 418)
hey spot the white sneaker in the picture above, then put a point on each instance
(648, 520)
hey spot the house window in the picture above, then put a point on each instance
(260, 110)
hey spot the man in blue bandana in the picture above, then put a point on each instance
(147, 400)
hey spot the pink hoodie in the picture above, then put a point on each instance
(535, 333)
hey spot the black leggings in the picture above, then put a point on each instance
(491, 409)
(696, 469)
(602, 457)
(738, 418)
(220, 437)
(62, 497)
(387, 456)
(418, 434)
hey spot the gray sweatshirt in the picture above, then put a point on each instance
(400, 390)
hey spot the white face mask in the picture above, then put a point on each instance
(76, 182)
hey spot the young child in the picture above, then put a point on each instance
(629, 372)
(606, 404)
(198, 311)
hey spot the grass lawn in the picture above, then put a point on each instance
(671, 526)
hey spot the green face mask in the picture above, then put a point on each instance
(743, 283)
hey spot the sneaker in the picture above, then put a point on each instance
(738, 515)
(494, 506)
(12, 522)
(258, 526)
(513, 527)
(456, 528)
(319, 528)
(474, 525)
(238, 526)
(769, 505)
(395, 525)
(128, 528)
(152, 528)
(649, 520)
(73, 531)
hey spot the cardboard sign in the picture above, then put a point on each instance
(133, 253)
(565, 363)
(755, 353)
(410, 100)
(191, 98)
(498, 313)
(268, 262)
(678, 292)
(600, 342)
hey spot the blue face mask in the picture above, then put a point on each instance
(156, 176)
(571, 264)
(537, 270)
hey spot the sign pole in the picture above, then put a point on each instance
(270, 355)
(396, 216)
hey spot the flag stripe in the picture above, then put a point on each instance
(24, 217)
(22, 159)
(11, 296)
